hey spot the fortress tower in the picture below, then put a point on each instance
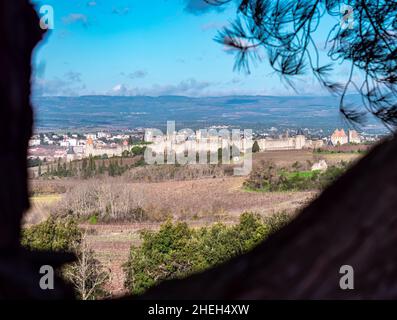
(89, 148)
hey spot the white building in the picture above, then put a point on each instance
(64, 143)
(73, 142)
(92, 149)
(288, 143)
(104, 135)
(320, 166)
(91, 136)
(354, 137)
(34, 142)
(339, 137)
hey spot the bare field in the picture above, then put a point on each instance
(40, 207)
(289, 157)
(223, 196)
(111, 243)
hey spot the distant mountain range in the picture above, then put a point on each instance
(253, 112)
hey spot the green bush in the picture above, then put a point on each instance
(330, 175)
(269, 178)
(176, 250)
(53, 235)
(93, 219)
(87, 274)
(277, 221)
(138, 150)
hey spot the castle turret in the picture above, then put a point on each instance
(300, 141)
(89, 148)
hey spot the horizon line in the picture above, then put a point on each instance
(184, 96)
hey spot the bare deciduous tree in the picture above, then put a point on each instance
(87, 274)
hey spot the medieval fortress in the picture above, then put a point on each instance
(201, 141)
(92, 149)
(212, 141)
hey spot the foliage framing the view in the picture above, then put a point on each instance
(285, 29)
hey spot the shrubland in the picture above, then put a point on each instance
(177, 250)
(268, 177)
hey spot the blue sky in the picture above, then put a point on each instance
(136, 47)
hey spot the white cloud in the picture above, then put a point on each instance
(73, 76)
(137, 74)
(121, 11)
(69, 85)
(188, 87)
(119, 90)
(76, 18)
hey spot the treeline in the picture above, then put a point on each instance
(35, 162)
(90, 167)
(330, 151)
(268, 177)
(115, 167)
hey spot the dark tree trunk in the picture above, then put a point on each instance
(19, 269)
(20, 32)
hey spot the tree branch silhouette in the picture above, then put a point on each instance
(284, 31)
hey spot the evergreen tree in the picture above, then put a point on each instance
(91, 166)
(71, 169)
(84, 168)
(255, 147)
(130, 141)
(102, 167)
(111, 169)
(58, 166)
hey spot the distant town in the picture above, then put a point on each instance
(50, 147)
